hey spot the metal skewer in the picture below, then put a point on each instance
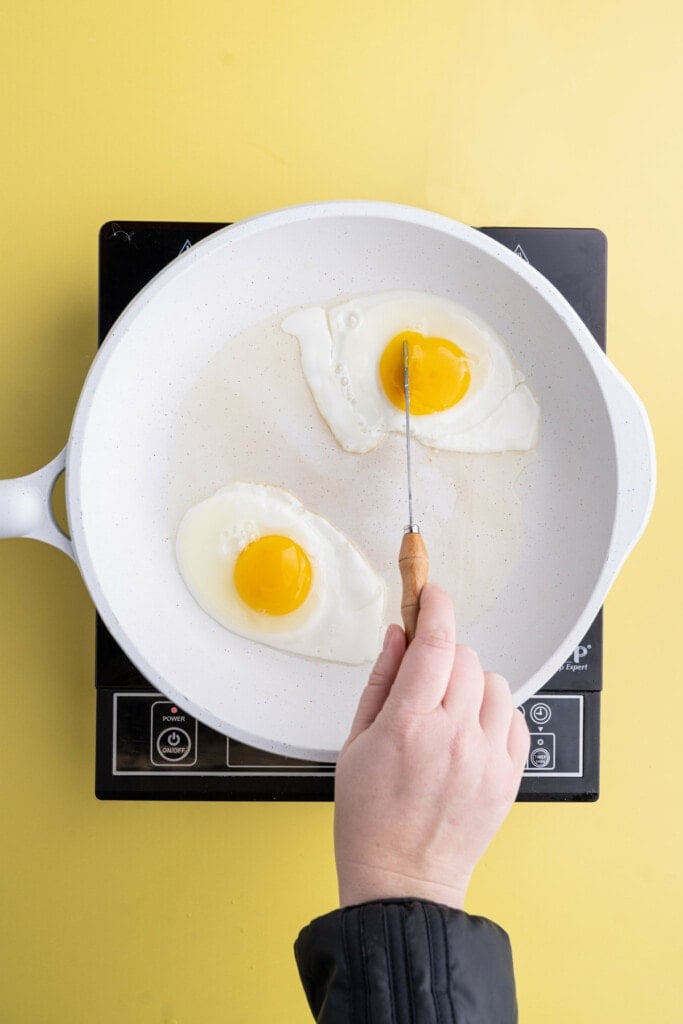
(413, 560)
(411, 527)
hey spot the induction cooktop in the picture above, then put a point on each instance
(148, 748)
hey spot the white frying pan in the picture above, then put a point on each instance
(140, 454)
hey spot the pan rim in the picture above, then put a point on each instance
(599, 363)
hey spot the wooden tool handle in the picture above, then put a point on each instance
(413, 562)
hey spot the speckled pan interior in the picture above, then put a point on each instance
(585, 496)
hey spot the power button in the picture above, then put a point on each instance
(173, 736)
(174, 744)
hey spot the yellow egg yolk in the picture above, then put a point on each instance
(273, 575)
(439, 373)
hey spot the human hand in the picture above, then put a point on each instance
(430, 769)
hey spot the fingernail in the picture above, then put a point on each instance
(386, 639)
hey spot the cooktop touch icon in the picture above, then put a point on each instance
(173, 735)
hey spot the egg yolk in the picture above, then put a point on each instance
(273, 575)
(439, 373)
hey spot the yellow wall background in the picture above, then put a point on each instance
(561, 114)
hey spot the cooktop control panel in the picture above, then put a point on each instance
(153, 734)
(166, 750)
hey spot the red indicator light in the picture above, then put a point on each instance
(174, 711)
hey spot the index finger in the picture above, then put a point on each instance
(423, 677)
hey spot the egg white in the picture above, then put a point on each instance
(342, 617)
(340, 353)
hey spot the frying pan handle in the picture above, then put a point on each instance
(636, 466)
(26, 506)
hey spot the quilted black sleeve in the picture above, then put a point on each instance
(406, 962)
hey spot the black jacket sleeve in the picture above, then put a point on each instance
(406, 961)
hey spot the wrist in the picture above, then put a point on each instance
(363, 884)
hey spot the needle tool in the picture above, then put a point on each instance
(413, 560)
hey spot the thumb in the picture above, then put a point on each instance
(380, 682)
(426, 669)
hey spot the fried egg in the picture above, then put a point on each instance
(465, 392)
(266, 568)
